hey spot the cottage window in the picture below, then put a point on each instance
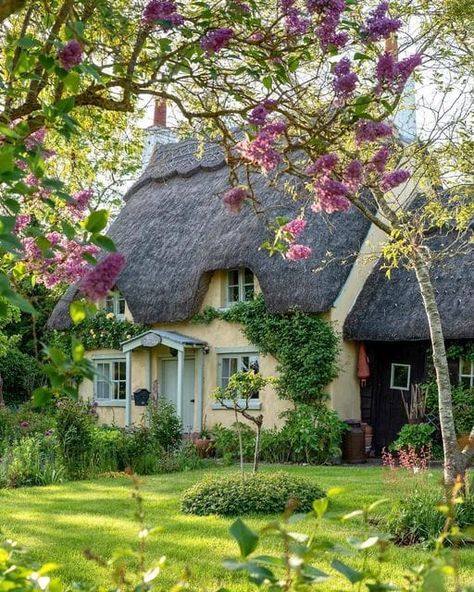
(230, 364)
(115, 303)
(400, 377)
(466, 372)
(240, 285)
(110, 380)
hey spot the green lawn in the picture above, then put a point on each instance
(57, 523)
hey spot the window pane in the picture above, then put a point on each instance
(400, 376)
(466, 367)
(119, 370)
(233, 277)
(119, 390)
(109, 304)
(248, 292)
(121, 306)
(102, 389)
(233, 294)
(248, 276)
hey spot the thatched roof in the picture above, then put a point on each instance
(392, 310)
(175, 231)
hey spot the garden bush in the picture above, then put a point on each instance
(165, 425)
(416, 436)
(33, 460)
(416, 518)
(21, 374)
(463, 406)
(260, 493)
(312, 433)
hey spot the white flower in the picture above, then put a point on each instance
(110, 315)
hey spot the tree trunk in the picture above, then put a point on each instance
(256, 455)
(241, 446)
(455, 462)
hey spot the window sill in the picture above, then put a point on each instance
(254, 405)
(117, 403)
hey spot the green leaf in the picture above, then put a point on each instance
(27, 42)
(246, 538)
(378, 503)
(42, 396)
(354, 514)
(104, 241)
(78, 351)
(96, 221)
(347, 571)
(72, 81)
(361, 56)
(267, 82)
(78, 311)
(335, 491)
(320, 506)
(65, 105)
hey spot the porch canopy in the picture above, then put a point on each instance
(151, 339)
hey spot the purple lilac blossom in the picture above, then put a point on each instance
(258, 115)
(216, 40)
(70, 55)
(371, 131)
(80, 201)
(97, 283)
(261, 151)
(331, 196)
(298, 252)
(354, 175)
(379, 160)
(323, 165)
(234, 199)
(393, 75)
(162, 10)
(345, 81)
(394, 179)
(380, 26)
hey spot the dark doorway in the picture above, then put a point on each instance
(394, 368)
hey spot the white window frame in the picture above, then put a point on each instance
(241, 285)
(463, 375)
(116, 298)
(111, 360)
(238, 354)
(392, 376)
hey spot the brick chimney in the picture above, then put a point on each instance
(158, 133)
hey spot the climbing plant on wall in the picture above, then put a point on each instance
(305, 346)
(100, 331)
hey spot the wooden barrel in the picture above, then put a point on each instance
(353, 444)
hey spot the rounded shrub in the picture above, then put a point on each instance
(262, 493)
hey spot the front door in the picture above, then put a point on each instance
(169, 389)
(394, 368)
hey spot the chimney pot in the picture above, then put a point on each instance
(159, 115)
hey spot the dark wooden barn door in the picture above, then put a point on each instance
(382, 402)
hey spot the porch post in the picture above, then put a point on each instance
(148, 371)
(180, 381)
(128, 389)
(200, 378)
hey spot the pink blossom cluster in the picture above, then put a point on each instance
(99, 280)
(295, 227)
(22, 221)
(331, 196)
(331, 14)
(80, 202)
(379, 160)
(66, 265)
(261, 151)
(234, 199)
(36, 139)
(70, 55)
(162, 10)
(380, 26)
(295, 22)
(409, 459)
(323, 165)
(371, 131)
(216, 40)
(393, 75)
(298, 252)
(394, 179)
(345, 80)
(354, 175)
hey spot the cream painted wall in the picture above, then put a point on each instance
(345, 389)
